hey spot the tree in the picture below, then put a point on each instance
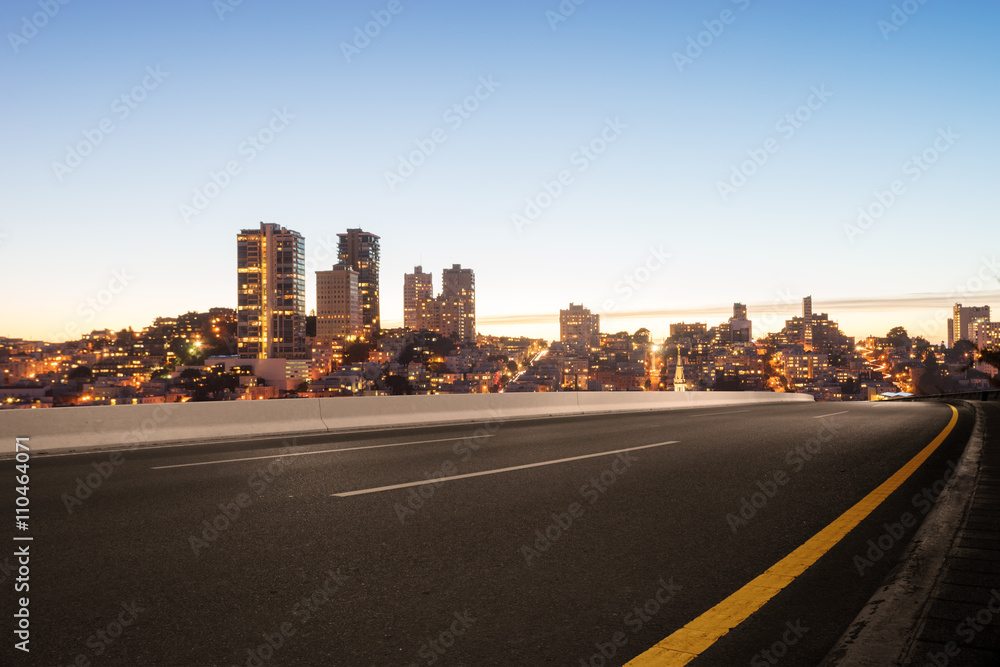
(512, 367)
(158, 373)
(357, 352)
(920, 345)
(991, 357)
(437, 367)
(930, 364)
(81, 373)
(850, 386)
(962, 351)
(441, 346)
(641, 336)
(898, 337)
(187, 353)
(125, 337)
(406, 356)
(398, 385)
(964, 346)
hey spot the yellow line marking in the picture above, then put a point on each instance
(693, 639)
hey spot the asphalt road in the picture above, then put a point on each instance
(259, 555)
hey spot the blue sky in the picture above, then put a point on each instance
(869, 97)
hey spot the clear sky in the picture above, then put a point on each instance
(115, 114)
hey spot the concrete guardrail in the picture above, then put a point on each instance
(130, 426)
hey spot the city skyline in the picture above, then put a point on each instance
(707, 154)
(936, 311)
(357, 242)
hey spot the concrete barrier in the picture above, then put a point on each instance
(129, 426)
(89, 427)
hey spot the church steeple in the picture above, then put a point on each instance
(680, 384)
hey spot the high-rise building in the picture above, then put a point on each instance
(271, 293)
(807, 322)
(740, 328)
(452, 313)
(814, 332)
(418, 287)
(443, 315)
(687, 329)
(579, 329)
(360, 250)
(338, 304)
(986, 335)
(965, 317)
(458, 286)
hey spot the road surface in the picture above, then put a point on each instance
(570, 541)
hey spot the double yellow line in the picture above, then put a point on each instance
(696, 637)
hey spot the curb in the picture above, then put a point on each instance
(883, 631)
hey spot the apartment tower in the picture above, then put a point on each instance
(271, 293)
(359, 250)
(458, 291)
(418, 288)
(338, 304)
